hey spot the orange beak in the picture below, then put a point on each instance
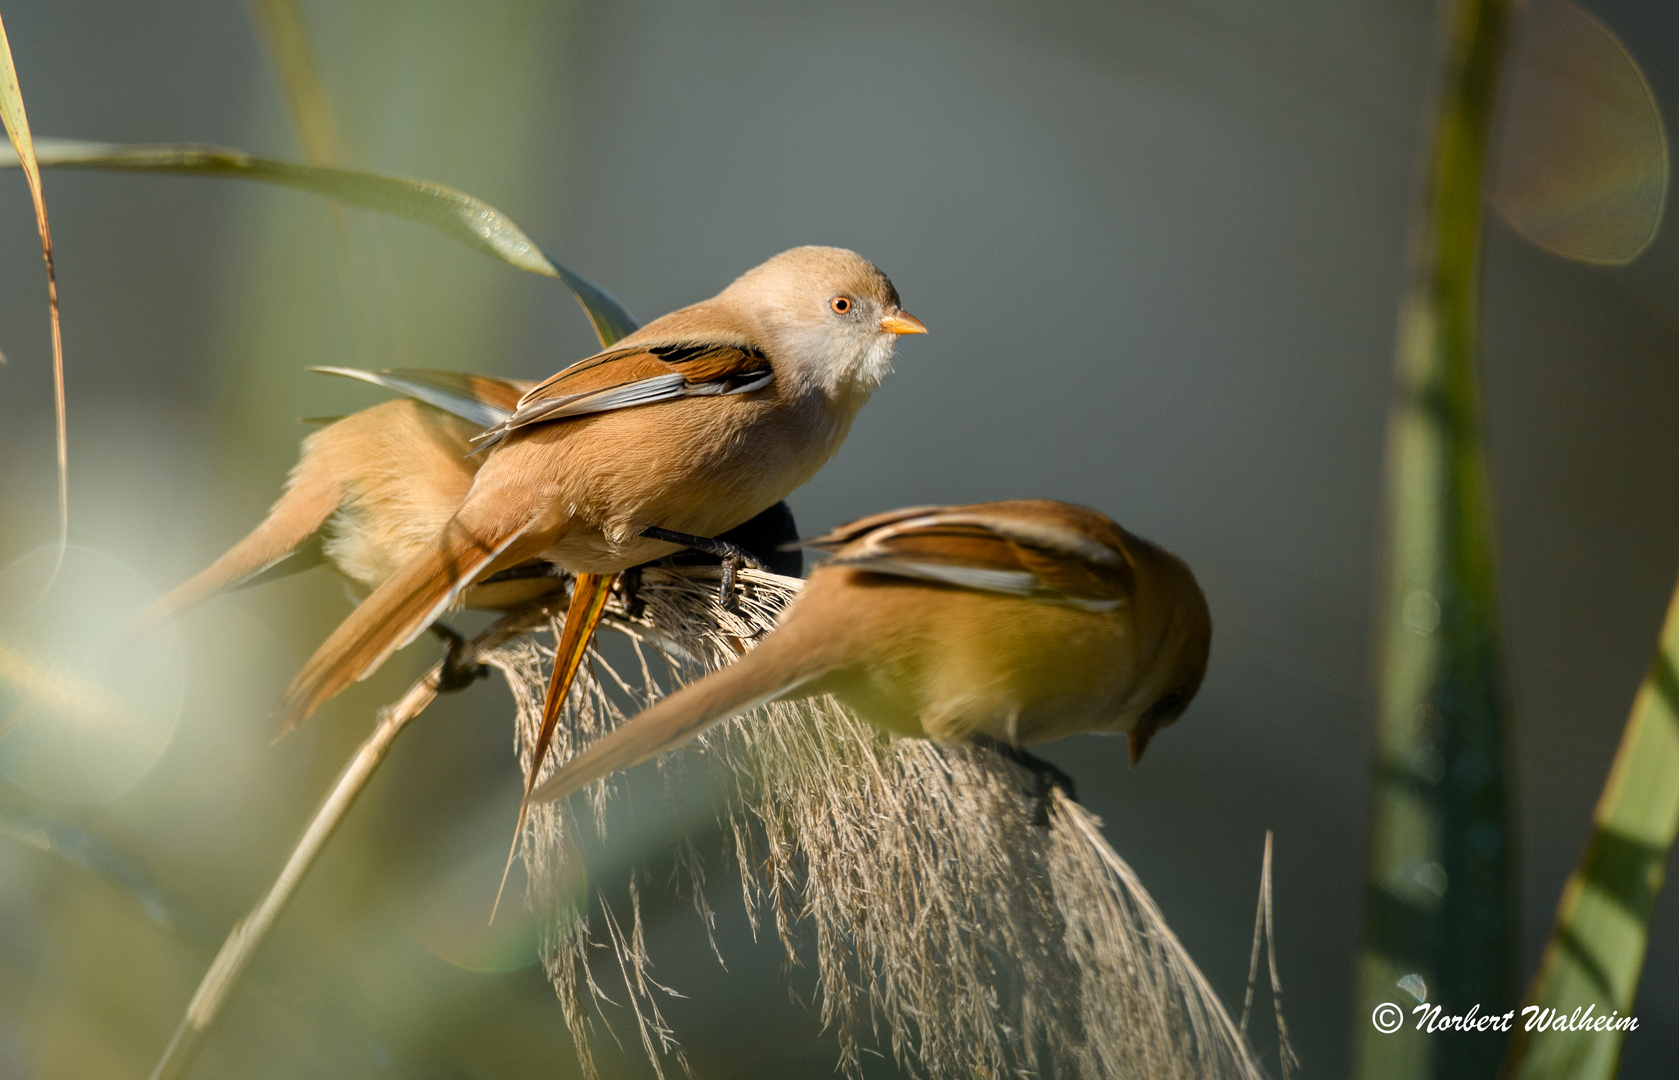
(902, 322)
(1136, 741)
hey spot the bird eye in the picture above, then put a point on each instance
(840, 304)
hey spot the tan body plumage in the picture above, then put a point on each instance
(1019, 622)
(377, 485)
(695, 424)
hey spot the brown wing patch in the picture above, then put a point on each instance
(599, 372)
(1031, 549)
(837, 538)
(1073, 576)
(697, 362)
(712, 362)
(641, 375)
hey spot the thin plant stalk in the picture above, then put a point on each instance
(280, 24)
(1263, 927)
(250, 932)
(1441, 899)
(17, 128)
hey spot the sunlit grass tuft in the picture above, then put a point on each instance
(939, 920)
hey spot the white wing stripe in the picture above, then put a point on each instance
(1012, 582)
(1008, 582)
(1032, 534)
(641, 392)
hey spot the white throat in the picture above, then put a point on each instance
(840, 365)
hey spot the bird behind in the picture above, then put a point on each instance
(369, 490)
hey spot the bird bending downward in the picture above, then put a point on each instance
(1009, 623)
(688, 427)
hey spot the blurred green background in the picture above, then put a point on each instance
(1160, 248)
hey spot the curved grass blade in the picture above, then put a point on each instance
(90, 855)
(1602, 931)
(608, 317)
(453, 213)
(17, 126)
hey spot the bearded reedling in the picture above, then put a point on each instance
(686, 428)
(1005, 624)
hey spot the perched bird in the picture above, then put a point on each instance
(1006, 624)
(686, 428)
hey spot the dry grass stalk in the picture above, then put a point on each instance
(250, 932)
(939, 919)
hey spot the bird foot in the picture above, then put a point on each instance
(455, 675)
(1045, 776)
(726, 586)
(733, 555)
(629, 588)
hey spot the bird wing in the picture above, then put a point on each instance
(641, 375)
(482, 399)
(1034, 556)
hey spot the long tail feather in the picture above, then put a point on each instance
(396, 612)
(788, 663)
(588, 604)
(310, 498)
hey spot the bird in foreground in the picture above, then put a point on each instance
(686, 428)
(1005, 624)
(371, 489)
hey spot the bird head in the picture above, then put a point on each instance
(1182, 660)
(826, 315)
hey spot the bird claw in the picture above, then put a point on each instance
(453, 675)
(629, 589)
(726, 586)
(1046, 777)
(733, 556)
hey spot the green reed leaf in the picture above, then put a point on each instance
(1440, 896)
(1603, 920)
(453, 213)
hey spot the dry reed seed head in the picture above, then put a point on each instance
(937, 918)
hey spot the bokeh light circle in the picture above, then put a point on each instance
(1582, 164)
(86, 707)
